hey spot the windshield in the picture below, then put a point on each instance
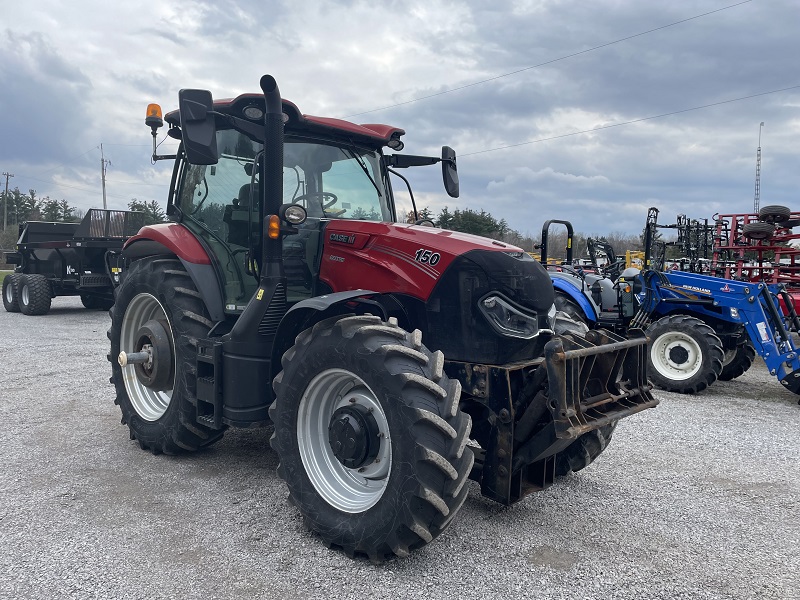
(329, 181)
(220, 203)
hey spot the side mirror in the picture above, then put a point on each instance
(198, 127)
(450, 171)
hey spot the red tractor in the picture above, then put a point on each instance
(393, 360)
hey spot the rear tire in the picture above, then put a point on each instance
(685, 354)
(738, 361)
(11, 292)
(161, 420)
(33, 293)
(404, 489)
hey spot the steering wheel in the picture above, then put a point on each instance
(326, 200)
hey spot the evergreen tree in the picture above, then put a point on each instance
(152, 211)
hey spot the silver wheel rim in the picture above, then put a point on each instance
(348, 490)
(9, 292)
(24, 295)
(149, 404)
(660, 356)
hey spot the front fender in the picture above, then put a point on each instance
(306, 313)
(576, 296)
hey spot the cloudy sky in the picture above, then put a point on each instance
(557, 108)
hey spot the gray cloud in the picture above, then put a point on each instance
(71, 83)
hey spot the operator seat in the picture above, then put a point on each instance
(237, 217)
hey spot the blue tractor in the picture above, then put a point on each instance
(701, 328)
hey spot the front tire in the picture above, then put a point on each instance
(583, 451)
(567, 305)
(685, 354)
(162, 418)
(371, 440)
(737, 361)
(11, 292)
(33, 293)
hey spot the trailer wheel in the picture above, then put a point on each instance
(96, 302)
(11, 292)
(582, 452)
(685, 354)
(774, 214)
(737, 361)
(371, 440)
(758, 231)
(158, 305)
(33, 293)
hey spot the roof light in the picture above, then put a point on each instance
(153, 118)
(394, 143)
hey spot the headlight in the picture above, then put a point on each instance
(508, 320)
(294, 214)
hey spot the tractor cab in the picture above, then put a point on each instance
(332, 169)
(221, 204)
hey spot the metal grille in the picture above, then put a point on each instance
(101, 223)
(275, 312)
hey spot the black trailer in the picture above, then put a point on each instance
(69, 259)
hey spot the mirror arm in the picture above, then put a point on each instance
(157, 156)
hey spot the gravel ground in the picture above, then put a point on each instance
(698, 498)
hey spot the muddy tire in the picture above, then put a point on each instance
(582, 452)
(775, 214)
(371, 440)
(758, 231)
(737, 361)
(11, 292)
(159, 295)
(33, 294)
(685, 354)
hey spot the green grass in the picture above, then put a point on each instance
(3, 275)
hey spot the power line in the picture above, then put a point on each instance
(675, 112)
(549, 62)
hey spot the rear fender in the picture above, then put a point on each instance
(175, 239)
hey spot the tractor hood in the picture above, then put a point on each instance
(455, 276)
(403, 258)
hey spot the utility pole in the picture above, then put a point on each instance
(103, 164)
(757, 199)
(5, 202)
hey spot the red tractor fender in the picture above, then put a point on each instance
(170, 237)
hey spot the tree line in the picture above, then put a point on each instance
(20, 207)
(484, 224)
